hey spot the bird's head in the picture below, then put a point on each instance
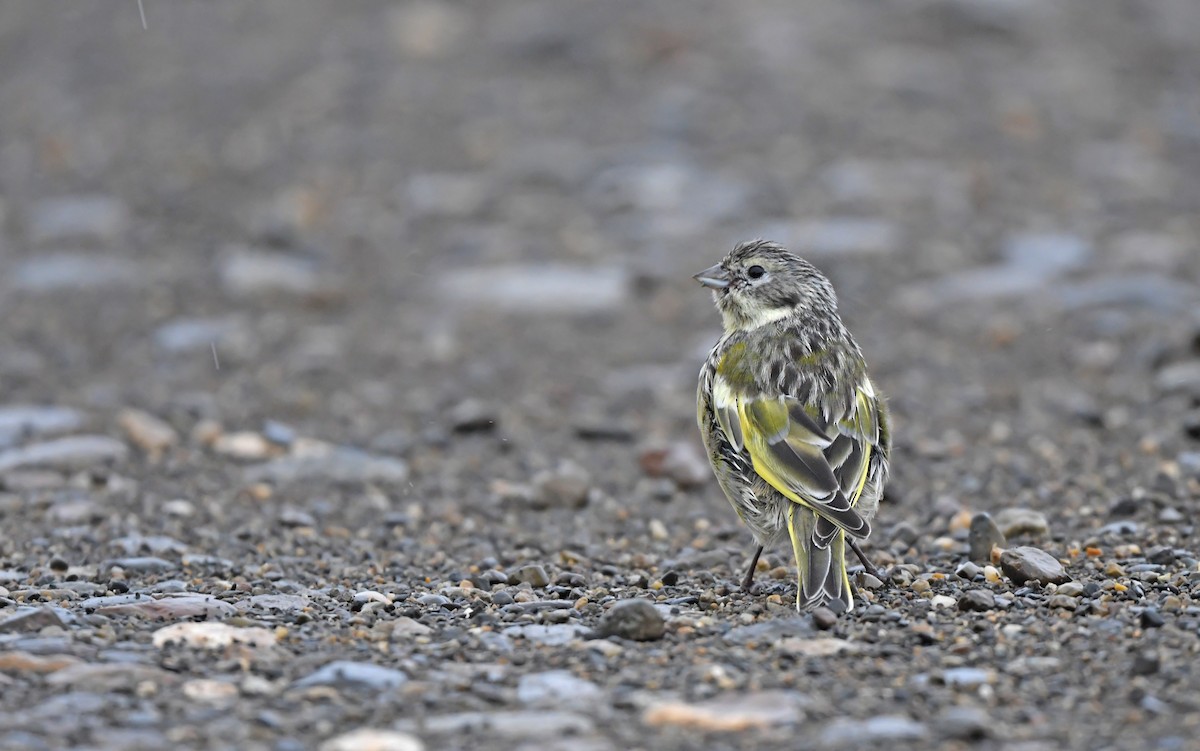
(760, 282)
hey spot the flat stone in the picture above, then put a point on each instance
(69, 453)
(368, 739)
(24, 662)
(210, 635)
(30, 619)
(551, 635)
(168, 607)
(18, 421)
(188, 334)
(145, 564)
(533, 574)
(276, 603)
(147, 432)
(532, 723)
(543, 288)
(851, 733)
(682, 462)
(1015, 522)
(62, 270)
(338, 465)
(110, 676)
(136, 543)
(557, 688)
(1179, 377)
(1047, 253)
(978, 600)
(80, 217)
(253, 273)
(567, 485)
(1025, 563)
(635, 619)
(356, 674)
(964, 723)
(733, 712)
(771, 632)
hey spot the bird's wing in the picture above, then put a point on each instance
(814, 459)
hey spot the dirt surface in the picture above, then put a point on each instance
(348, 355)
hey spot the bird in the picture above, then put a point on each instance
(796, 432)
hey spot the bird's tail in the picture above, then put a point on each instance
(821, 570)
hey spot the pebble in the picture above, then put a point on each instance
(964, 723)
(168, 607)
(209, 691)
(658, 530)
(35, 619)
(967, 678)
(943, 601)
(1070, 589)
(1015, 522)
(535, 575)
(968, 570)
(550, 635)
(635, 619)
(1022, 564)
(472, 416)
(369, 739)
(252, 273)
(1151, 618)
(24, 662)
(567, 485)
(189, 334)
(69, 453)
(143, 564)
(530, 723)
(984, 534)
(404, 628)
(730, 713)
(99, 218)
(977, 600)
(209, 635)
(338, 464)
(824, 618)
(557, 688)
(1179, 377)
(63, 270)
(544, 288)
(356, 674)
(147, 432)
(22, 421)
(771, 632)
(850, 733)
(242, 445)
(681, 462)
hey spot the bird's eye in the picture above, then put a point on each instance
(756, 272)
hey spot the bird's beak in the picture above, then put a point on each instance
(714, 276)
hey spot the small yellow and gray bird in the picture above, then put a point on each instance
(795, 430)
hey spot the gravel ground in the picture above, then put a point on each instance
(347, 365)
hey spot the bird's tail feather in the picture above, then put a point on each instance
(821, 570)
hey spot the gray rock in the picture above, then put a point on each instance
(964, 723)
(567, 485)
(168, 607)
(533, 574)
(851, 733)
(472, 415)
(1049, 254)
(338, 465)
(29, 420)
(983, 536)
(514, 724)
(187, 334)
(82, 217)
(275, 603)
(979, 600)
(635, 619)
(62, 270)
(69, 453)
(35, 619)
(1015, 522)
(966, 678)
(248, 272)
(1026, 563)
(553, 635)
(1149, 291)
(447, 194)
(140, 564)
(770, 632)
(540, 289)
(1179, 377)
(153, 544)
(357, 674)
(557, 688)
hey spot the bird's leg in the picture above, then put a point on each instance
(866, 562)
(748, 581)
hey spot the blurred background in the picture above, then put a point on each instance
(450, 245)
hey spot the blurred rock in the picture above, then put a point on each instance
(1179, 377)
(731, 713)
(964, 723)
(1048, 254)
(243, 445)
(447, 195)
(253, 273)
(681, 462)
(567, 485)
(339, 464)
(980, 600)
(186, 334)
(168, 607)
(368, 739)
(540, 724)
(850, 733)
(537, 288)
(147, 432)
(18, 421)
(634, 619)
(984, 534)
(1015, 522)
(428, 29)
(35, 619)
(557, 688)
(365, 675)
(836, 237)
(72, 452)
(97, 218)
(63, 270)
(472, 415)
(212, 636)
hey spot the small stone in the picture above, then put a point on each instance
(189, 334)
(24, 662)
(1063, 602)
(1151, 618)
(730, 713)
(771, 632)
(942, 601)
(69, 453)
(242, 445)
(1070, 589)
(142, 564)
(885, 729)
(251, 273)
(983, 536)
(1171, 515)
(535, 575)
(368, 739)
(557, 688)
(964, 724)
(967, 678)
(331, 464)
(22, 421)
(428, 29)
(824, 618)
(904, 534)
(169, 607)
(968, 570)
(61, 271)
(1022, 564)
(979, 600)
(1179, 377)
(1015, 522)
(405, 628)
(34, 619)
(567, 486)
(147, 432)
(550, 635)
(99, 218)
(869, 581)
(357, 674)
(212, 636)
(209, 691)
(635, 619)
(1145, 663)
(658, 530)
(471, 416)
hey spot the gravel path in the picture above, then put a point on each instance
(348, 355)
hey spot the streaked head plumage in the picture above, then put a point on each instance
(760, 282)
